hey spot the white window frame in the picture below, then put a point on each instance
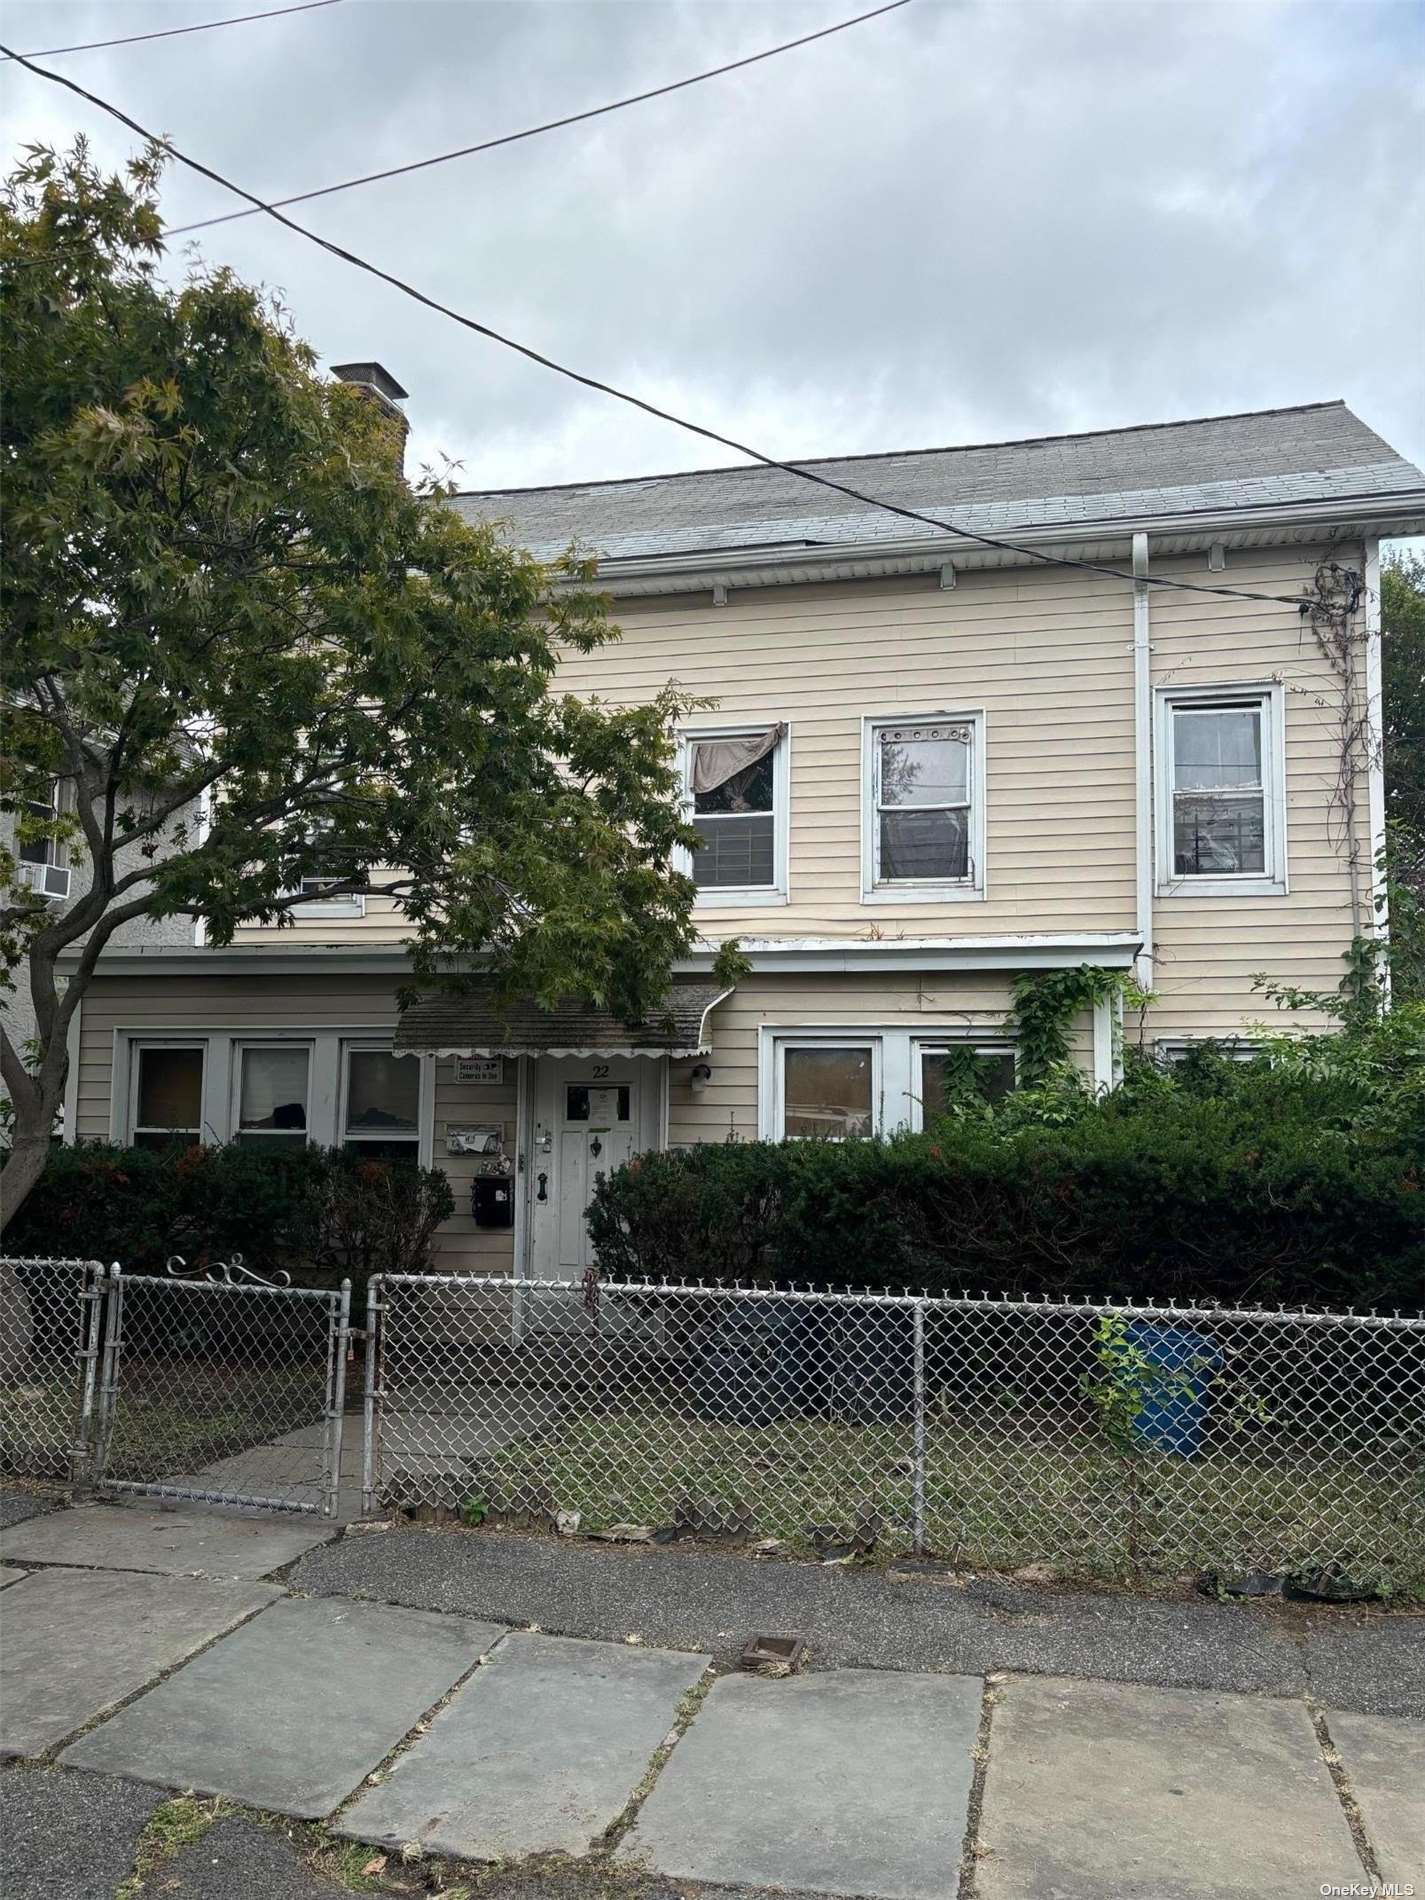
(282, 1136)
(992, 1045)
(1269, 698)
(326, 1077)
(847, 1038)
(133, 1128)
(895, 1065)
(875, 889)
(381, 1046)
(731, 897)
(348, 904)
(1173, 1049)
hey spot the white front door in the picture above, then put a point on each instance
(590, 1117)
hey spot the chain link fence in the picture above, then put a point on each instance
(1106, 1440)
(49, 1330)
(222, 1392)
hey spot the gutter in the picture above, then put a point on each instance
(926, 553)
(1113, 949)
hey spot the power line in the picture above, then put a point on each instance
(172, 32)
(550, 125)
(638, 402)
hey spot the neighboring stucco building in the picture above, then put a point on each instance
(932, 764)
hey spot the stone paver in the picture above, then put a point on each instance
(73, 1643)
(8, 1574)
(538, 1753)
(1384, 1759)
(177, 1543)
(69, 1837)
(292, 1712)
(850, 1782)
(1155, 1794)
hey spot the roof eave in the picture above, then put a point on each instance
(1099, 540)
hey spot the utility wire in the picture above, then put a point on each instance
(944, 525)
(550, 125)
(172, 32)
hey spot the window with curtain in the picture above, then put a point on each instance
(922, 790)
(1219, 790)
(272, 1095)
(733, 780)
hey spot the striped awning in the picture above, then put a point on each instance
(479, 1025)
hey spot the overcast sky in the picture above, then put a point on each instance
(966, 221)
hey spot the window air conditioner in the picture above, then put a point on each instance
(50, 880)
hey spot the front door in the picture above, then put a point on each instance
(590, 1117)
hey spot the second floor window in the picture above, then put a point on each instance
(737, 789)
(1221, 793)
(923, 824)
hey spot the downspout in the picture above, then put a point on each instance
(1143, 763)
(1374, 740)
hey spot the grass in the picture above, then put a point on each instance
(172, 1825)
(997, 1495)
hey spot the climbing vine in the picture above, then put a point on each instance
(1045, 1003)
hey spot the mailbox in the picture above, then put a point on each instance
(492, 1200)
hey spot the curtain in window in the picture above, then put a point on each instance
(715, 761)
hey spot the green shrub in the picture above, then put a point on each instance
(1298, 1177)
(318, 1213)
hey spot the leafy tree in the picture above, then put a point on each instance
(221, 597)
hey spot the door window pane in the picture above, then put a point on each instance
(382, 1100)
(168, 1105)
(588, 1101)
(827, 1093)
(948, 1073)
(1219, 801)
(736, 824)
(272, 1102)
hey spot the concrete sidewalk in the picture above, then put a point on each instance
(640, 1758)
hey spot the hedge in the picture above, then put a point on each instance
(318, 1213)
(1258, 1187)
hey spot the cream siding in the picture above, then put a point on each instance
(1208, 949)
(728, 1108)
(1046, 654)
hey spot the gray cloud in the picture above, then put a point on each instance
(959, 223)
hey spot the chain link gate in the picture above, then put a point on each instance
(49, 1350)
(218, 1392)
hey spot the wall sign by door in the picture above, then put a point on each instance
(482, 1069)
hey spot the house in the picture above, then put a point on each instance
(933, 763)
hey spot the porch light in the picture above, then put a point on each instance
(700, 1077)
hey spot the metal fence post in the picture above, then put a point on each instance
(82, 1457)
(109, 1370)
(918, 1451)
(336, 1398)
(374, 1344)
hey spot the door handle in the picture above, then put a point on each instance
(542, 1195)
(596, 1147)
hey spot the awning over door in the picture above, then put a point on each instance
(476, 1025)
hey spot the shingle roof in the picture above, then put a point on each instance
(476, 1023)
(1268, 458)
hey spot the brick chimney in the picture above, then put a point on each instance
(378, 385)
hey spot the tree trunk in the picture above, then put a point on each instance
(23, 1167)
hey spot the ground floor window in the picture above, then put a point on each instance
(841, 1084)
(166, 1107)
(382, 1097)
(273, 1082)
(269, 1089)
